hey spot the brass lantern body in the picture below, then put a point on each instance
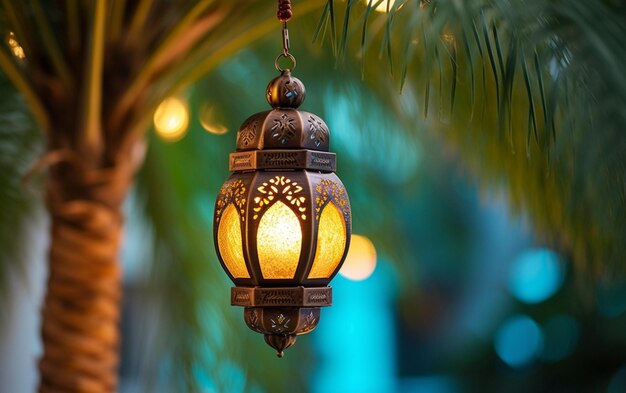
(282, 220)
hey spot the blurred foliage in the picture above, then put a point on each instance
(530, 93)
(20, 145)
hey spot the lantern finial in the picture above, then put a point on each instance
(285, 91)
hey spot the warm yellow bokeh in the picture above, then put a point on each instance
(16, 48)
(171, 119)
(209, 122)
(382, 7)
(230, 244)
(361, 259)
(331, 242)
(279, 242)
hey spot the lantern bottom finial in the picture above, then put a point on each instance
(280, 342)
(282, 313)
(281, 325)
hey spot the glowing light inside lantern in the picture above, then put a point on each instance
(230, 243)
(331, 242)
(279, 242)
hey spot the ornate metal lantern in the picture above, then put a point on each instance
(282, 220)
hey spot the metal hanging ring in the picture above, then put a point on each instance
(286, 56)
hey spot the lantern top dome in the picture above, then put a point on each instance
(284, 127)
(285, 91)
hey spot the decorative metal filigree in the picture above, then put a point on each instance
(253, 321)
(279, 187)
(309, 322)
(284, 128)
(319, 132)
(328, 189)
(277, 297)
(234, 191)
(280, 324)
(248, 131)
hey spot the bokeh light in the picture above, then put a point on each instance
(561, 333)
(536, 275)
(209, 122)
(361, 260)
(518, 341)
(171, 119)
(382, 7)
(16, 48)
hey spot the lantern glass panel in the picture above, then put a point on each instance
(230, 244)
(331, 242)
(279, 242)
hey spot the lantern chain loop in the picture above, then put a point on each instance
(284, 15)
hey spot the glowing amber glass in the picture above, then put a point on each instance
(279, 242)
(331, 242)
(230, 244)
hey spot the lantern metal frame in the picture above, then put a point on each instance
(318, 190)
(282, 156)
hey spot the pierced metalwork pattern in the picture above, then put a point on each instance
(284, 128)
(280, 187)
(240, 297)
(319, 296)
(281, 297)
(328, 189)
(319, 132)
(249, 131)
(290, 91)
(280, 323)
(234, 191)
(277, 297)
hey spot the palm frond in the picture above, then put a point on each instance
(20, 145)
(17, 20)
(140, 17)
(15, 73)
(91, 122)
(73, 10)
(51, 44)
(555, 84)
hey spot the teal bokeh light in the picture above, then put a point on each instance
(355, 343)
(536, 275)
(518, 341)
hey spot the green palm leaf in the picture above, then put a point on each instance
(562, 108)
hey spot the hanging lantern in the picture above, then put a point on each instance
(282, 220)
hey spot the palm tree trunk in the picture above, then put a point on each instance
(81, 311)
